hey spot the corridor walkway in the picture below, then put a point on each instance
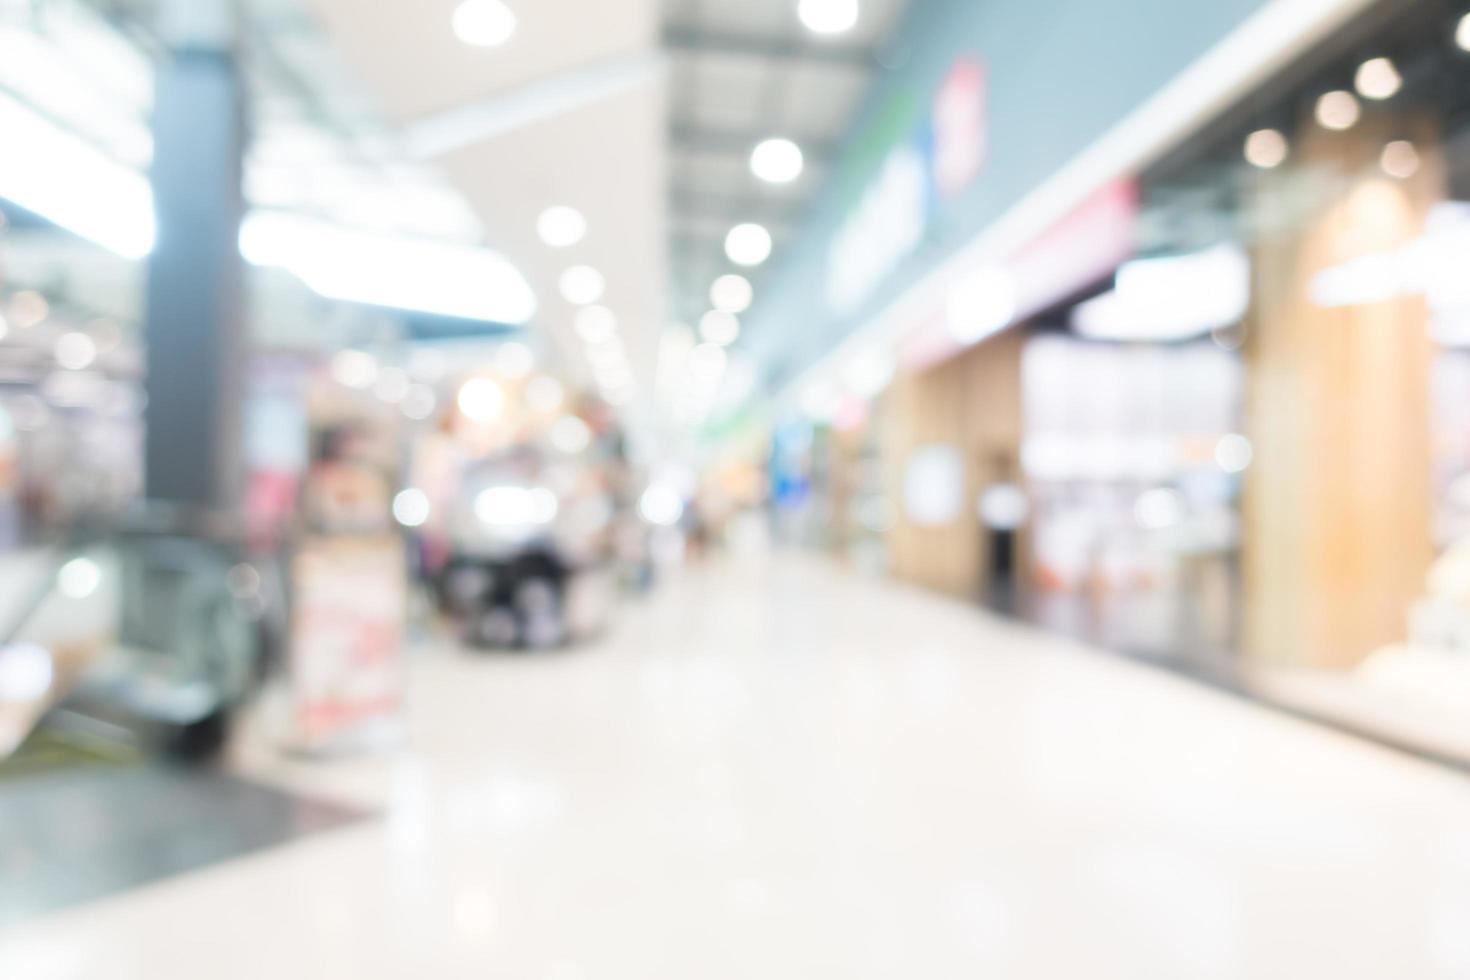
(783, 772)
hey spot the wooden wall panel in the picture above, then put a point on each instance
(1339, 502)
(972, 402)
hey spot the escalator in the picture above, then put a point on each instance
(145, 641)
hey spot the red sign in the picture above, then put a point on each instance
(961, 124)
(350, 602)
(1086, 245)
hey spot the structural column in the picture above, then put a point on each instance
(1338, 509)
(196, 326)
(970, 405)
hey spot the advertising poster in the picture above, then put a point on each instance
(347, 637)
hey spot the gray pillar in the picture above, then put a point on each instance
(196, 323)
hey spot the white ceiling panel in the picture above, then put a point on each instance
(407, 52)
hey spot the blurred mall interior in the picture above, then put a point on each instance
(595, 489)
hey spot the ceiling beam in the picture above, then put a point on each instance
(544, 98)
(702, 207)
(685, 40)
(685, 138)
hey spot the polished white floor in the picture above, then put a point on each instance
(782, 772)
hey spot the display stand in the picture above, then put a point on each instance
(348, 607)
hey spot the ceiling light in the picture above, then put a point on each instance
(29, 309)
(420, 402)
(467, 283)
(1462, 33)
(1378, 79)
(1400, 159)
(26, 673)
(1266, 149)
(582, 284)
(1338, 110)
(484, 23)
(411, 508)
(732, 294)
(828, 16)
(596, 325)
(79, 578)
(1169, 298)
(481, 400)
(1234, 453)
(72, 184)
(662, 505)
(719, 327)
(75, 351)
(777, 161)
(980, 305)
(748, 244)
(354, 369)
(516, 508)
(515, 360)
(561, 227)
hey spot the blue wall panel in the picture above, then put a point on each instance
(1061, 74)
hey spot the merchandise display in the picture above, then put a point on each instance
(1128, 456)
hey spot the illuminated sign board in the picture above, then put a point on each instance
(941, 160)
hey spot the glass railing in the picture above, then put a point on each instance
(154, 632)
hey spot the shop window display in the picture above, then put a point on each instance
(1135, 525)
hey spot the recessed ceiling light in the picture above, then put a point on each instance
(75, 351)
(582, 284)
(731, 294)
(777, 161)
(1462, 33)
(748, 244)
(355, 369)
(1266, 148)
(719, 327)
(828, 16)
(29, 309)
(484, 23)
(1338, 110)
(420, 403)
(481, 400)
(1400, 159)
(1378, 79)
(561, 227)
(412, 508)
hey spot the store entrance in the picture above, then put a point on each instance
(1133, 457)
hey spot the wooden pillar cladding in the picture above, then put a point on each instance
(973, 403)
(1339, 501)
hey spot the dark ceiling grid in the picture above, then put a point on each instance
(702, 209)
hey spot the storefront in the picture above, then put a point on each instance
(1216, 413)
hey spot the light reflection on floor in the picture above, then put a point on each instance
(785, 772)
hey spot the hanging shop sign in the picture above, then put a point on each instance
(940, 160)
(349, 606)
(988, 297)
